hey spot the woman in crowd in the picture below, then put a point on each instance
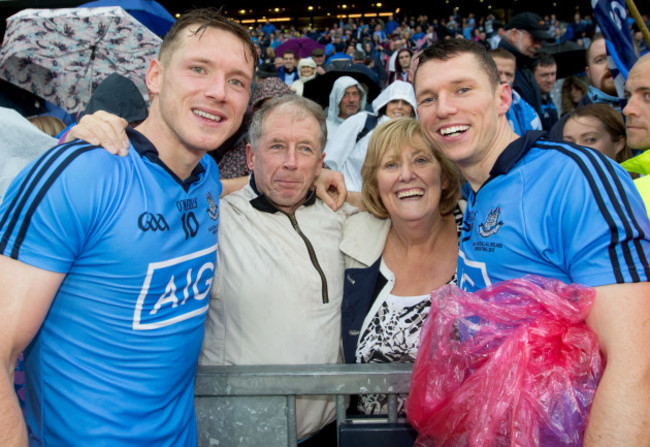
(306, 72)
(404, 247)
(346, 148)
(402, 70)
(573, 89)
(599, 127)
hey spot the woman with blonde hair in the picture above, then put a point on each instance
(402, 248)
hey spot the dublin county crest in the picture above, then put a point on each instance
(491, 224)
(213, 209)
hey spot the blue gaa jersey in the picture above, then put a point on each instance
(114, 361)
(554, 210)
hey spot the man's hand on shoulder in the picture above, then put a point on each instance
(102, 129)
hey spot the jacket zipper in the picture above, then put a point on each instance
(312, 256)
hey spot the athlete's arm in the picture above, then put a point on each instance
(26, 294)
(102, 128)
(620, 414)
(107, 130)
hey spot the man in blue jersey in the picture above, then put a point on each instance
(549, 209)
(107, 261)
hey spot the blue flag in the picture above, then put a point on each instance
(611, 17)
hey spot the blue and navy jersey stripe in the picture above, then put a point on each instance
(34, 186)
(614, 204)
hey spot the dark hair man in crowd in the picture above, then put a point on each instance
(549, 209)
(545, 73)
(288, 72)
(107, 261)
(601, 82)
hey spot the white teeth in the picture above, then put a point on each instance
(453, 130)
(410, 193)
(207, 115)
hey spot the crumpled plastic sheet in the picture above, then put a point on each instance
(513, 364)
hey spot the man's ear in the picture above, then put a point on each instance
(155, 74)
(250, 156)
(504, 97)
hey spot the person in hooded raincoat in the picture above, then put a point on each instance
(346, 148)
(346, 99)
(306, 66)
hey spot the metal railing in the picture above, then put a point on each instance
(256, 405)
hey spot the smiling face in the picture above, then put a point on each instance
(460, 109)
(410, 183)
(288, 157)
(590, 132)
(289, 61)
(398, 108)
(200, 91)
(306, 71)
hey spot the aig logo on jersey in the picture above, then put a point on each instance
(175, 290)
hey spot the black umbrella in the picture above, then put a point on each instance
(22, 101)
(319, 88)
(569, 56)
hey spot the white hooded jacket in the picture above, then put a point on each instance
(338, 90)
(344, 153)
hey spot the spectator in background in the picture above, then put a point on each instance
(288, 72)
(599, 127)
(573, 89)
(602, 88)
(521, 115)
(545, 73)
(402, 66)
(637, 124)
(359, 64)
(268, 27)
(318, 56)
(524, 38)
(306, 72)
(391, 25)
(346, 98)
(346, 148)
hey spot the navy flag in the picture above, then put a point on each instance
(611, 17)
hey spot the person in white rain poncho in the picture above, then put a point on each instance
(346, 148)
(346, 99)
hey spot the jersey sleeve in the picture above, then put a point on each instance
(597, 223)
(56, 203)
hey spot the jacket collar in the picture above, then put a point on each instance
(261, 203)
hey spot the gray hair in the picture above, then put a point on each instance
(301, 107)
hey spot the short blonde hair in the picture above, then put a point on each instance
(392, 136)
(50, 125)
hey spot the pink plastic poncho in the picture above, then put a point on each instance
(512, 364)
